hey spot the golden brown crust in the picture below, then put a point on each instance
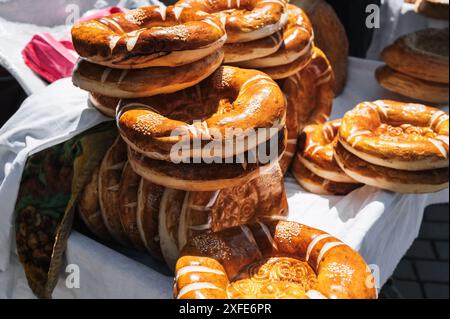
(334, 43)
(244, 20)
(134, 83)
(431, 92)
(436, 9)
(200, 176)
(148, 37)
(318, 185)
(422, 55)
(311, 91)
(316, 145)
(128, 203)
(297, 43)
(400, 181)
(397, 135)
(110, 175)
(89, 209)
(340, 271)
(228, 107)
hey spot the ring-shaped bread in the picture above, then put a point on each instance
(395, 180)
(150, 36)
(128, 84)
(271, 260)
(298, 41)
(244, 20)
(316, 145)
(403, 136)
(233, 107)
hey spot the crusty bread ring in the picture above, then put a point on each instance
(128, 203)
(295, 260)
(403, 136)
(230, 99)
(105, 104)
(135, 83)
(315, 152)
(395, 180)
(149, 36)
(427, 91)
(243, 51)
(317, 185)
(297, 42)
(244, 20)
(89, 209)
(422, 55)
(109, 178)
(311, 91)
(201, 176)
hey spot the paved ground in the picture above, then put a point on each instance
(423, 272)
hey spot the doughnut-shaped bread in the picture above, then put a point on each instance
(203, 176)
(311, 91)
(149, 36)
(110, 175)
(223, 116)
(271, 260)
(89, 209)
(422, 55)
(317, 185)
(129, 84)
(297, 42)
(395, 180)
(397, 135)
(315, 152)
(244, 20)
(427, 91)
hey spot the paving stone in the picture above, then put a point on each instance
(408, 289)
(405, 270)
(436, 291)
(442, 249)
(433, 230)
(437, 213)
(432, 271)
(421, 249)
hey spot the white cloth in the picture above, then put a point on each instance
(380, 225)
(396, 19)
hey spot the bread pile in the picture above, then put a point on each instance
(417, 66)
(395, 146)
(158, 72)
